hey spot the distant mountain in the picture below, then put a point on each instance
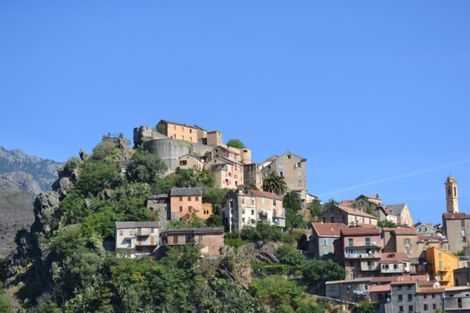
(22, 177)
(42, 170)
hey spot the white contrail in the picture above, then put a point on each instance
(387, 179)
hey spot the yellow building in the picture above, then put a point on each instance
(441, 265)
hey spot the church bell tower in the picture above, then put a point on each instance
(452, 195)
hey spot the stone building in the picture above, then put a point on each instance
(136, 238)
(457, 299)
(347, 215)
(253, 176)
(359, 250)
(321, 241)
(228, 173)
(160, 205)
(290, 166)
(395, 263)
(246, 208)
(209, 239)
(191, 161)
(368, 203)
(401, 239)
(402, 211)
(411, 296)
(452, 195)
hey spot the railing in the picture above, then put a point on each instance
(362, 256)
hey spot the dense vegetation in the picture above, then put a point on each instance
(83, 274)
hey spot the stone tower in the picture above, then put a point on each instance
(452, 195)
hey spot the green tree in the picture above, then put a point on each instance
(275, 183)
(145, 167)
(229, 297)
(316, 273)
(275, 291)
(193, 178)
(293, 204)
(98, 175)
(386, 224)
(290, 255)
(106, 149)
(235, 143)
(315, 208)
(5, 304)
(364, 307)
(329, 204)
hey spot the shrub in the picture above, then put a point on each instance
(235, 143)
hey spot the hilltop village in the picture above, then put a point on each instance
(181, 204)
(389, 260)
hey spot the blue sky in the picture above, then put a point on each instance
(365, 90)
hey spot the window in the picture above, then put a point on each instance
(121, 232)
(400, 308)
(175, 239)
(425, 306)
(252, 212)
(274, 202)
(181, 198)
(183, 162)
(434, 306)
(325, 242)
(433, 296)
(410, 297)
(263, 200)
(459, 302)
(281, 174)
(196, 198)
(252, 201)
(409, 288)
(367, 241)
(350, 242)
(289, 156)
(400, 297)
(190, 198)
(181, 208)
(410, 308)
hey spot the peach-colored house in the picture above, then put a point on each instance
(185, 203)
(210, 239)
(187, 132)
(228, 173)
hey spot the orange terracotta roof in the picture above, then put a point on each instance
(352, 211)
(394, 257)
(388, 279)
(264, 194)
(402, 230)
(328, 229)
(360, 231)
(430, 290)
(379, 288)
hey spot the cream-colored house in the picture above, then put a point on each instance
(137, 238)
(402, 211)
(246, 208)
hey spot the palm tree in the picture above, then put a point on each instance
(275, 183)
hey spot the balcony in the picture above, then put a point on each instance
(362, 253)
(143, 232)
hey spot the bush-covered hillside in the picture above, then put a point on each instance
(66, 263)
